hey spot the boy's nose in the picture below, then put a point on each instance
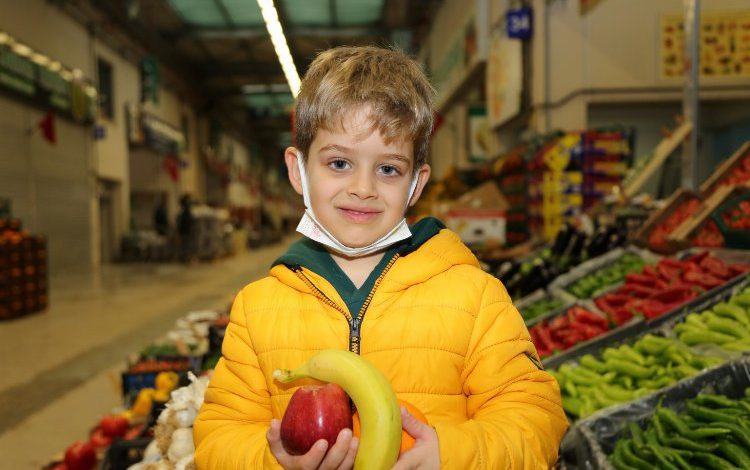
(362, 186)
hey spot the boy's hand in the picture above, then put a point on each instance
(340, 457)
(425, 455)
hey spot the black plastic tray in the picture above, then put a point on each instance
(590, 440)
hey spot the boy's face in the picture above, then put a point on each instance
(358, 183)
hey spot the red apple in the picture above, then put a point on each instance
(314, 413)
(114, 426)
(99, 440)
(80, 456)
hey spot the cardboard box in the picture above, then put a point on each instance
(479, 215)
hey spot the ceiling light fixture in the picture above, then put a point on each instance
(271, 17)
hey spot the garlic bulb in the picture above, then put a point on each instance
(182, 444)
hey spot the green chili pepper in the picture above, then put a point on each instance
(661, 457)
(671, 418)
(707, 414)
(572, 406)
(716, 401)
(738, 432)
(636, 433)
(727, 327)
(630, 458)
(626, 368)
(735, 453)
(594, 364)
(703, 433)
(712, 461)
(732, 312)
(693, 338)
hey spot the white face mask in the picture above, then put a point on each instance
(313, 229)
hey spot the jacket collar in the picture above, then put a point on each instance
(431, 250)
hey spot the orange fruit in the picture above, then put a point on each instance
(407, 442)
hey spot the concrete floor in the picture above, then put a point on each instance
(59, 371)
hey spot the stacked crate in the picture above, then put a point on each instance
(23, 271)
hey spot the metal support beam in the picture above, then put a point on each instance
(690, 99)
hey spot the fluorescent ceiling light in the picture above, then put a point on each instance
(271, 17)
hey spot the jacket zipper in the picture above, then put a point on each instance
(355, 323)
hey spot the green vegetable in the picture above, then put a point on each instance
(630, 458)
(735, 453)
(692, 338)
(712, 461)
(712, 416)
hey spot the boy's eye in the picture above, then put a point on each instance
(339, 164)
(389, 170)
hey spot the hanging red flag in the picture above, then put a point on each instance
(47, 126)
(172, 166)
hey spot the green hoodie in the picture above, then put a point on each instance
(315, 257)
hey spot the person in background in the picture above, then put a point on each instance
(412, 300)
(161, 217)
(185, 228)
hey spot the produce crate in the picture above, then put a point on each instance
(560, 285)
(682, 237)
(738, 162)
(734, 237)
(591, 440)
(675, 201)
(638, 327)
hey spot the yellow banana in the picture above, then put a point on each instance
(379, 413)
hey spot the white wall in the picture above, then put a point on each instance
(51, 187)
(613, 50)
(64, 176)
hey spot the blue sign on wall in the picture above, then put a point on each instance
(519, 23)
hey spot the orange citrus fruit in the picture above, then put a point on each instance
(407, 442)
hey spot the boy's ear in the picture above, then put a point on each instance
(290, 157)
(423, 176)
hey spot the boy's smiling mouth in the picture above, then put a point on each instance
(358, 214)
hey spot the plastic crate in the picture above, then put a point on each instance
(733, 238)
(122, 454)
(589, 441)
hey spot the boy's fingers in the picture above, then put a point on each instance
(412, 425)
(351, 454)
(274, 438)
(336, 455)
(311, 460)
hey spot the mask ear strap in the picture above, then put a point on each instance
(412, 189)
(303, 180)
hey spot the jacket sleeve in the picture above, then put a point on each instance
(230, 430)
(515, 411)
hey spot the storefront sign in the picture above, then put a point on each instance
(724, 45)
(519, 23)
(479, 134)
(150, 79)
(44, 83)
(504, 79)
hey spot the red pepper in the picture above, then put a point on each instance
(649, 271)
(668, 271)
(640, 279)
(706, 281)
(698, 257)
(673, 294)
(620, 315)
(653, 308)
(738, 269)
(637, 290)
(716, 267)
(584, 316)
(545, 339)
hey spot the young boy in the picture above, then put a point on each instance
(412, 300)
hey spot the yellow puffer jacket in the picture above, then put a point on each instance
(444, 333)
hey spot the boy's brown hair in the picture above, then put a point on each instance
(391, 84)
